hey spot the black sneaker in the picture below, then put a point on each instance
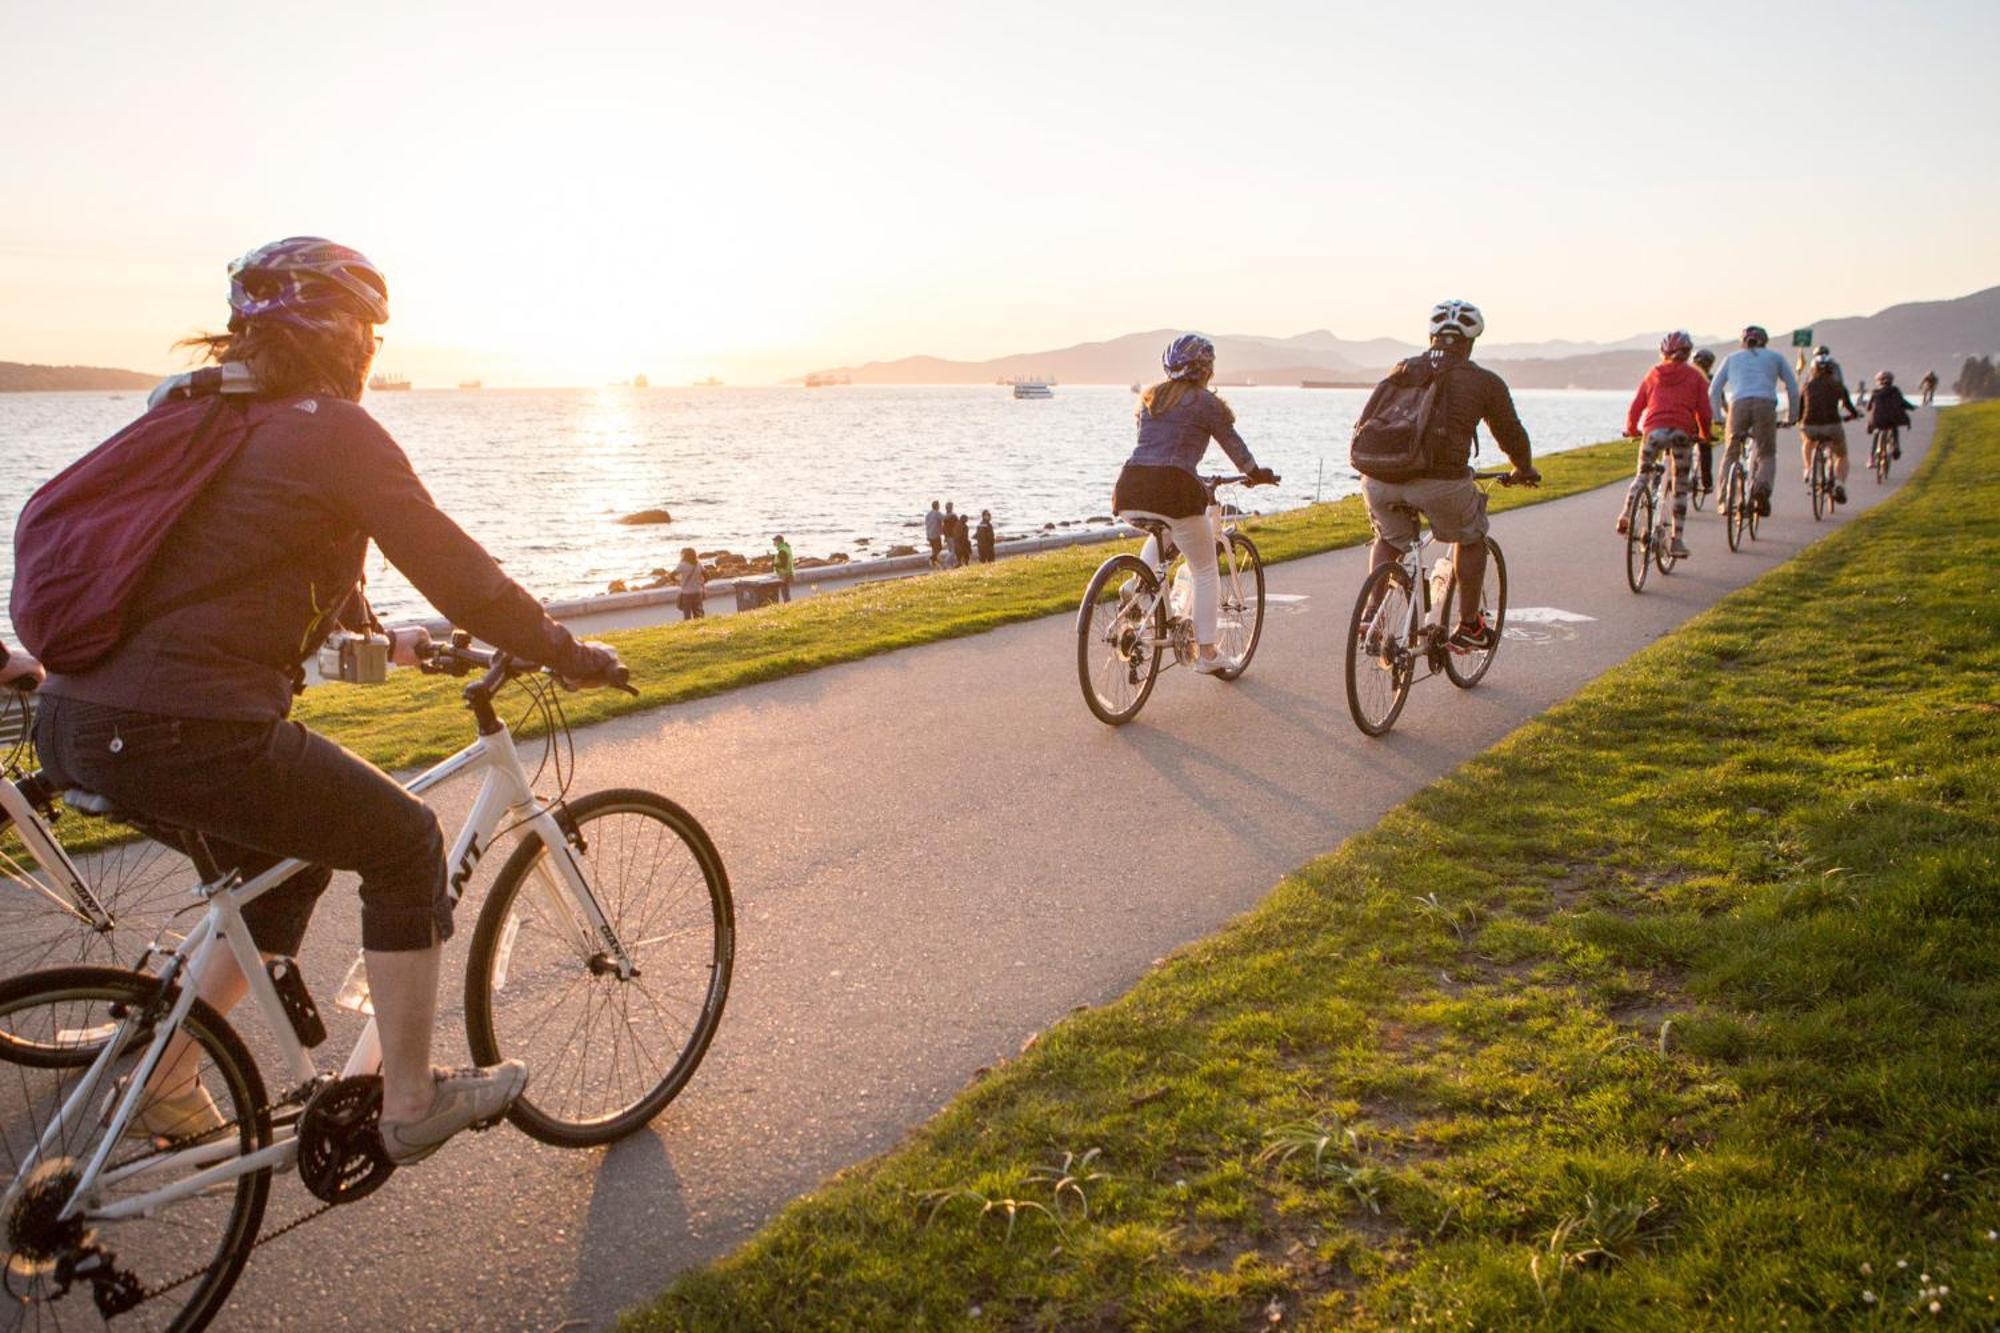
(1896, 452)
(1478, 638)
(1763, 504)
(1839, 494)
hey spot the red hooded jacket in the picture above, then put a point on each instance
(1673, 396)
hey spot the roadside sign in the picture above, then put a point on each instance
(1802, 338)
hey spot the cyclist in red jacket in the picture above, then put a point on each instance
(1668, 414)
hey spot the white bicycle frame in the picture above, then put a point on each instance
(505, 793)
(1227, 572)
(60, 881)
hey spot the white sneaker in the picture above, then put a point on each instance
(1209, 666)
(465, 1099)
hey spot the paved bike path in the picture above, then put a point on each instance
(935, 854)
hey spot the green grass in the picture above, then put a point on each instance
(416, 719)
(1677, 1009)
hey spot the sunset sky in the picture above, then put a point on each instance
(567, 193)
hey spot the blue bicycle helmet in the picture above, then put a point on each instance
(1188, 356)
(307, 282)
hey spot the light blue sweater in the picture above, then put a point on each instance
(1753, 372)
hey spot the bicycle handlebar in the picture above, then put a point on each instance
(460, 658)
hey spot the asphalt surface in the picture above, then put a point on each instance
(923, 878)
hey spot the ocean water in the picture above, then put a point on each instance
(541, 476)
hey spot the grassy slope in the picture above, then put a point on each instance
(1675, 1009)
(414, 718)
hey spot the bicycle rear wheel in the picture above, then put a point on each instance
(176, 1266)
(1733, 502)
(607, 1054)
(1466, 670)
(1380, 665)
(1638, 540)
(1240, 622)
(1818, 483)
(1879, 458)
(1118, 643)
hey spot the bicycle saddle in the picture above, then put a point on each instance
(1145, 520)
(90, 803)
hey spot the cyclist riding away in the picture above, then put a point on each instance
(1440, 486)
(1928, 386)
(1177, 418)
(183, 723)
(1747, 384)
(1704, 361)
(1668, 413)
(1888, 409)
(1826, 405)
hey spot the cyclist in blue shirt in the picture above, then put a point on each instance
(1746, 384)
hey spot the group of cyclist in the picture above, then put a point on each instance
(1683, 399)
(185, 722)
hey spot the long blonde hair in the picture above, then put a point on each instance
(1163, 397)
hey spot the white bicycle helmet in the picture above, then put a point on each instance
(1459, 317)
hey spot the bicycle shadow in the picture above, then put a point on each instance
(638, 1202)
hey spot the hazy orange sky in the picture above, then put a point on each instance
(566, 194)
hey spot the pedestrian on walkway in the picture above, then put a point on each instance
(961, 539)
(693, 599)
(934, 532)
(783, 567)
(985, 536)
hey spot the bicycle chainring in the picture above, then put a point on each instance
(341, 1158)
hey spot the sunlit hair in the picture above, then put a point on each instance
(291, 360)
(1163, 397)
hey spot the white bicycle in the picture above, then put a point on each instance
(602, 957)
(1135, 615)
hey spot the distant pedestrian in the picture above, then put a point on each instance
(961, 537)
(783, 567)
(985, 536)
(693, 600)
(934, 532)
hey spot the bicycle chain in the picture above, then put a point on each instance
(298, 1095)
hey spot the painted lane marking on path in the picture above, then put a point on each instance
(1542, 624)
(1545, 615)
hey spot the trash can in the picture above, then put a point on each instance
(753, 593)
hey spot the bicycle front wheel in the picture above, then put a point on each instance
(1240, 623)
(1118, 643)
(606, 1053)
(1467, 669)
(1638, 541)
(174, 1263)
(44, 915)
(1381, 662)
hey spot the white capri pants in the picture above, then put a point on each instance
(1195, 535)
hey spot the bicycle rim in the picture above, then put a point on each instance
(606, 1054)
(1239, 622)
(184, 1259)
(1638, 542)
(1117, 653)
(139, 883)
(1467, 670)
(1732, 511)
(1379, 667)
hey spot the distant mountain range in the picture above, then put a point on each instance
(1910, 339)
(18, 377)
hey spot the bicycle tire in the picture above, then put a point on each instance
(506, 964)
(1638, 540)
(1388, 591)
(1817, 483)
(1733, 504)
(230, 1075)
(1492, 599)
(1754, 517)
(1126, 650)
(1247, 554)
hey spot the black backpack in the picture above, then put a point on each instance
(1389, 442)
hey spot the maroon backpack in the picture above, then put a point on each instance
(86, 540)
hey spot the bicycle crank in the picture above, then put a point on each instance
(341, 1158)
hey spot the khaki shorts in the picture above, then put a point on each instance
(1456, 509)
(1833, 436)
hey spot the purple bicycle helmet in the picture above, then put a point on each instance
(1676, 344)
(307, 282)
(1188, 356)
